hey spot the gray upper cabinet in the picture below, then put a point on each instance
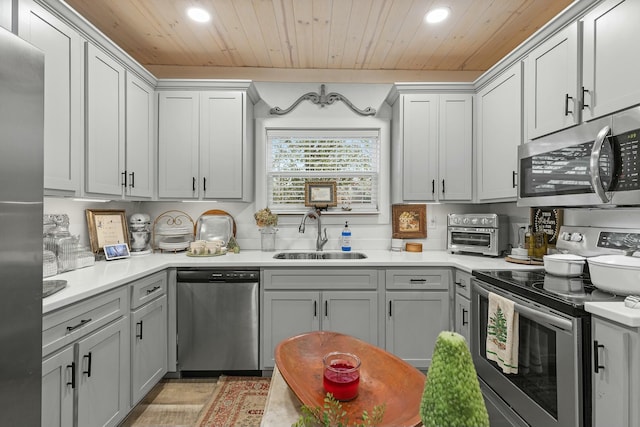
(105, 119)
(552, 96)
(62, 47)
(205, 145)
(433, 147)
(499, 132)
(139, 138)
(610, 65)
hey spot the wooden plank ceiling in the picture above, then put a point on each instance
(378, 40)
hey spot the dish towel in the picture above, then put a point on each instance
(502, 333)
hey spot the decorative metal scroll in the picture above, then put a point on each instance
(323, 99)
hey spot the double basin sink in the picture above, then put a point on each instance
(319, 255)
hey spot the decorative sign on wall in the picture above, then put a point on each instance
(548, 220)
(409, 221)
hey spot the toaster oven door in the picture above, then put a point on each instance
(475, 240)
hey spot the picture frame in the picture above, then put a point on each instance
(321, 194)
(409, 221)
(106, 227)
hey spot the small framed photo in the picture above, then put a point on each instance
(117, 251)
(106, 227)
(409, 221)
(320, 194)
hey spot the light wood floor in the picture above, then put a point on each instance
(172, 403)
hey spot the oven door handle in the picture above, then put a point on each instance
(557, 321)
(594, 164)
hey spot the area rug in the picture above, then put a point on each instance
(236, 402)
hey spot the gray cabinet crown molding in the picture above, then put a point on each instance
(210, 84)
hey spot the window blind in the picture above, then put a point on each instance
(351, 158)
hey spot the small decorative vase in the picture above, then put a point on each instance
(268, 238)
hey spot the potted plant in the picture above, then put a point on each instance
(452, 395)
(266, 220)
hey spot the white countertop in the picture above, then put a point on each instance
(616, 311)
(105, 275)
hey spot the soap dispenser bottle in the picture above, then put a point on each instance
(346, 237)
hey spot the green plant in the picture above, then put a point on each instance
(264, 218)
(452, 395)
(332, 415)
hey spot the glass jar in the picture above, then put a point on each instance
(341, 375)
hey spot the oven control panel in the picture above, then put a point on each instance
(594, 241)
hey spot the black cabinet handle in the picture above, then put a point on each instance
(204, 184)
(443, 186)
(139, 335)
(124, 178)
(433, 186)
(566, 104)
(596, 363)
(389, 308)
(326, 309)
(88, 371)
(82, 322)
(513, 179)
(418, 280)
(152, 290)
(464, 321)
(133, 177)
(315, 308)
(193, 183)
(72, 383)
(583, 92)
(461, 284)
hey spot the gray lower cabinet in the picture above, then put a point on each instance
(616, 374)
(148, 334)
(462, 303)
(417, 310)
(298, 301)
(85, 369)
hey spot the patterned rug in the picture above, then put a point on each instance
(236, 402)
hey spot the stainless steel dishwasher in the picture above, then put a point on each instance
(218, 320)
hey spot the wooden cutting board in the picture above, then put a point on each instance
(524, 261)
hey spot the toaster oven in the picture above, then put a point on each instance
(485, 234)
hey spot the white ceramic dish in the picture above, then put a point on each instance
(564, 265)
(618, 274)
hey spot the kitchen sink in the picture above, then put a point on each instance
(319, 255)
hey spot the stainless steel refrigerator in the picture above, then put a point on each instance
(21, 183)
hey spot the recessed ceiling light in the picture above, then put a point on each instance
(198, 15)
(437, 15)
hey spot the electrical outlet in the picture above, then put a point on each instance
(431, 222)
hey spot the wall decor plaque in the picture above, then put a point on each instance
(409, 221)
(106, 227)
(548, 220)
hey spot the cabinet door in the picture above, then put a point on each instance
(352, 313)
(499, 134)
(413, 322)
(611, 387)
(62, 94)
(148, 347)
(103, 376)
(420, 146)
(139, 138)
(455, 145)
(58, 376)
(287, 314)
(178, 145)
(552, 101)
(221, 144)
(610, 65)
(105, 156)
(462, 316)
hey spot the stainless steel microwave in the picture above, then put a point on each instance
(592, 164)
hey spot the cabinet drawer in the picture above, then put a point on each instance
(463, 284)
(420, 278)
(148, 288)
(329, 278)
(68, 324)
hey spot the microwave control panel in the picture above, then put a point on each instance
(628, 178)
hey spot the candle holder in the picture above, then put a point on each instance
(341, 375)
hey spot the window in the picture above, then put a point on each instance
(349, 157)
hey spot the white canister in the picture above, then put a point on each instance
(396, 245)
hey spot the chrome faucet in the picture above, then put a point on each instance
(315, 214)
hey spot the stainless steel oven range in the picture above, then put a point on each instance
(553, 383)
(485, 234)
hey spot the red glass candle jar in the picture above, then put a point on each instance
(341, 376)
